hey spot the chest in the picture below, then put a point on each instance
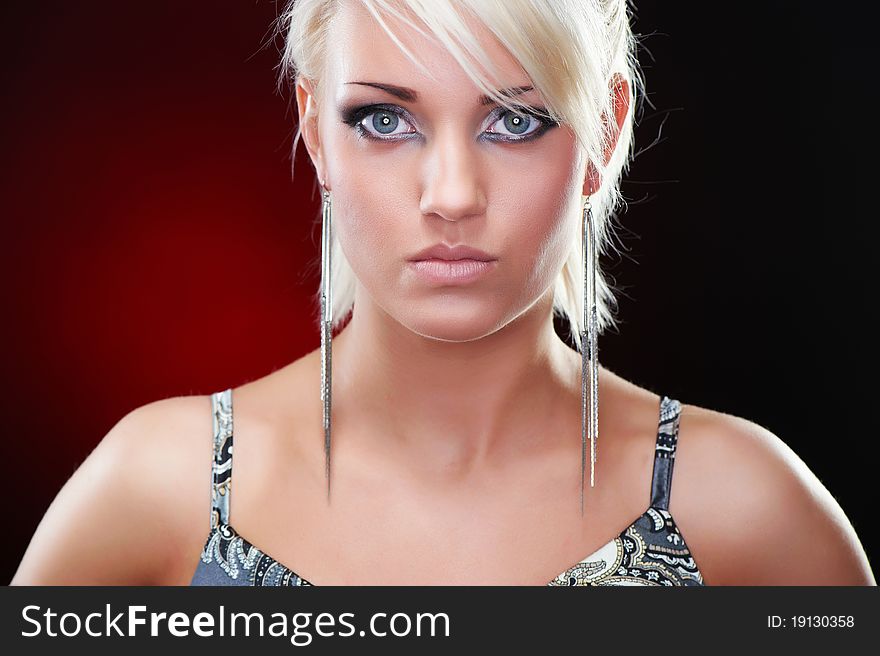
(375, 532)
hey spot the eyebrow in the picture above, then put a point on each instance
(410, 95)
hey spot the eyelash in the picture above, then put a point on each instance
(354, 118)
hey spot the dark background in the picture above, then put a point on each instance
(154, 245)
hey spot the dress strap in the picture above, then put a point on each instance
(664, 452)
(221, 468)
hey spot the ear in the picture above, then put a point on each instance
(619, 88)
(307, 108)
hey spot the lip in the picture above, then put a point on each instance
(451, 272)
(451, 253)
(442, 264)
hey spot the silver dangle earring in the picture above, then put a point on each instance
(589, 348)
(326, 324)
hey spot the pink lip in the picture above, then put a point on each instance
(445, 252)
(441, 264)
(451, 272)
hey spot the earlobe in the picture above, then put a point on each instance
(592, 181)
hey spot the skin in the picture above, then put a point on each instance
(456, 411)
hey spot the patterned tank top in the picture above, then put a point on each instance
(650, 551)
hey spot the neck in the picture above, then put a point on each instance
(453, 405)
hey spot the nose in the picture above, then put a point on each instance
(453, 189)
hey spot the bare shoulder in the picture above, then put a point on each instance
(753, 513)
(137, 510)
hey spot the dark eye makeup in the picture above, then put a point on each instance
(354, 118)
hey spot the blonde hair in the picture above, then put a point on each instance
(570, 49)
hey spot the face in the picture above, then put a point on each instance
(438, 166)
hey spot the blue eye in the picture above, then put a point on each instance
(382, 123)
(518, 125)
(385, 122)
(378, 122)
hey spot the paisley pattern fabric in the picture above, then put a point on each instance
(237, 562)
(650, 551)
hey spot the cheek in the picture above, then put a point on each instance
(366, 207)
(369, 237)
(542, 226)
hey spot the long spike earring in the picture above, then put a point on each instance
(326, 324)
(589, 348)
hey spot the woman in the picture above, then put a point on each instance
(470, 155)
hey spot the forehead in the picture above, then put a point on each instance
(360, 49)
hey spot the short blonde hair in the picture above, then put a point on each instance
(570, 49)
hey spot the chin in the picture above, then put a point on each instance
(450, 323)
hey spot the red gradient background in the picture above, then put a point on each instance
(154, 242)
(155, 245)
